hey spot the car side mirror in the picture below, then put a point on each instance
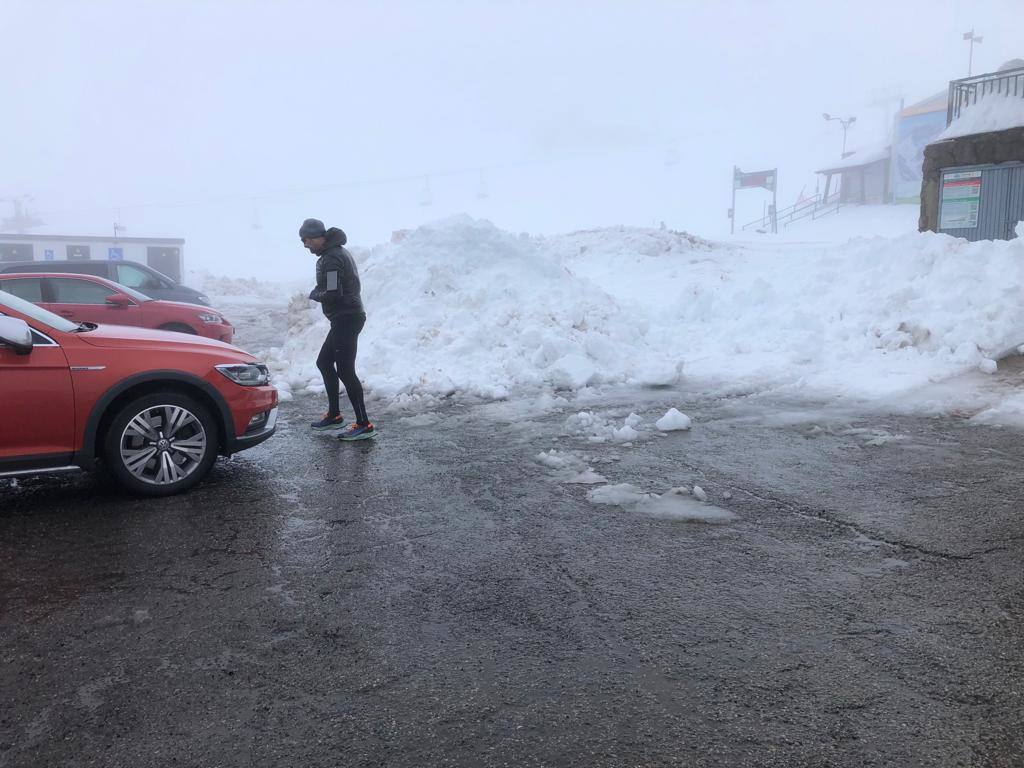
(16, 334)
(118, 300)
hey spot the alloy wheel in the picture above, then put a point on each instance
(163, 444)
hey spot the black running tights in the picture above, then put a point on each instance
(337, 362)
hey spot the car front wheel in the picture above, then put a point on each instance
(158, 445)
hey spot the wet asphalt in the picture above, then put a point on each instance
(438, 598)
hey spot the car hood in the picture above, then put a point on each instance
(128, 336)
(185, 305)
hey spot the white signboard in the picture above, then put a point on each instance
(961, 199)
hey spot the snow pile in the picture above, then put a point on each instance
(870, 318)
(993, 112)
(463, 307)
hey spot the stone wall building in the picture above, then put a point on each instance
(973, 176)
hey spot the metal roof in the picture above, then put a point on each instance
(11, 237)
(858, 160)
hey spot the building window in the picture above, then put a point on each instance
(166, 261)
(16, 252)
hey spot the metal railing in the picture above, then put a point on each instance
(969, 91)
(813, 207)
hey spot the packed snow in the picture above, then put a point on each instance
(994, 112)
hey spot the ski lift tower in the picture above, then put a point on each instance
(22, 218)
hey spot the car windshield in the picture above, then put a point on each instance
(36, 313)
(172, 283)
(140, 297)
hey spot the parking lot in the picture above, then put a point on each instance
(439, 597)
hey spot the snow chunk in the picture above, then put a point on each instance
(618, 495)
(572, 371)
(555, 460)
(598, 430)
(676, 503)
(673, 420)
(625, 434)
(699, 493)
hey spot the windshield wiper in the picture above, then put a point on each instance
(85, 327)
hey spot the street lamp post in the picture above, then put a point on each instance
(845, 123)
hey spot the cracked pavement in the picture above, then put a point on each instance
(438, 598)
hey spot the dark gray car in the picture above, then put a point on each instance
(143, 278)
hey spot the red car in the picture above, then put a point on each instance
(156, 408)
(90, 299)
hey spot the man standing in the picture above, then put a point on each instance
(337, 290)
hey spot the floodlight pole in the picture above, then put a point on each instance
(846, 125)
(970, 56)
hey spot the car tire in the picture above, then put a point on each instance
(179, 328)
(161, 444)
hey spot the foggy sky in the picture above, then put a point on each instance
(226, 123)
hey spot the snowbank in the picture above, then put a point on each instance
(463, 308)
(994, 112)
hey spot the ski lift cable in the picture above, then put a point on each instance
(351, 183)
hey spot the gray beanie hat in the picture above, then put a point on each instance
(312, 228)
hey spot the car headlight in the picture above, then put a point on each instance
(209, 317)
(246, 374)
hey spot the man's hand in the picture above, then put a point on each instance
(314, 295)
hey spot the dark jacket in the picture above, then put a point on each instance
(337, 279)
